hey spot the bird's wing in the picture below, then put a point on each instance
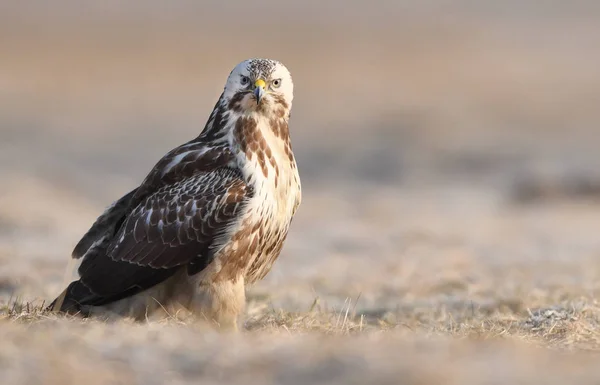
(174, 226)
(180, 163)
(186, 201)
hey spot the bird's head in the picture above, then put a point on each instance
(260, 85)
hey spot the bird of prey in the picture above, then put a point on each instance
(210, 218)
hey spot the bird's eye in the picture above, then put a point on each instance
(245, 80)
(276, 83)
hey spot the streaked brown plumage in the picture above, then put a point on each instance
(211, 216)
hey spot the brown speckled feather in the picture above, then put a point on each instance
(186, 201)
(174, 226)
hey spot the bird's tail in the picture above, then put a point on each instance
(69, 301)
(56, 305)
(65, 303)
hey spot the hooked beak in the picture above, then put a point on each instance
(259, 90)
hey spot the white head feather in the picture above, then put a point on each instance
(245, 74)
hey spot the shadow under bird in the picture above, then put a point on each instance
(210, 218)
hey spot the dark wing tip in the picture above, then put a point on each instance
(106, 223)
(82, 246)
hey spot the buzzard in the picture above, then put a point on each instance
(210, 218)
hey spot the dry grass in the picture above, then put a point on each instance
(569, 325)
(344, 347)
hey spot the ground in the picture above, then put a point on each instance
(451, 195)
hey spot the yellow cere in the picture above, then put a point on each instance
(260, 83)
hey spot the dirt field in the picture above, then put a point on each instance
(451, 180)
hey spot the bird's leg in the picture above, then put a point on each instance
(220, 302)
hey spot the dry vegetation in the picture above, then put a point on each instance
(310, 347)
(449, 226)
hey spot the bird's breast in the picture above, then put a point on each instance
(258, 239)
(265, 158)
(268, 164)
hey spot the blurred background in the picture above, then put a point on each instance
(448, 150)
